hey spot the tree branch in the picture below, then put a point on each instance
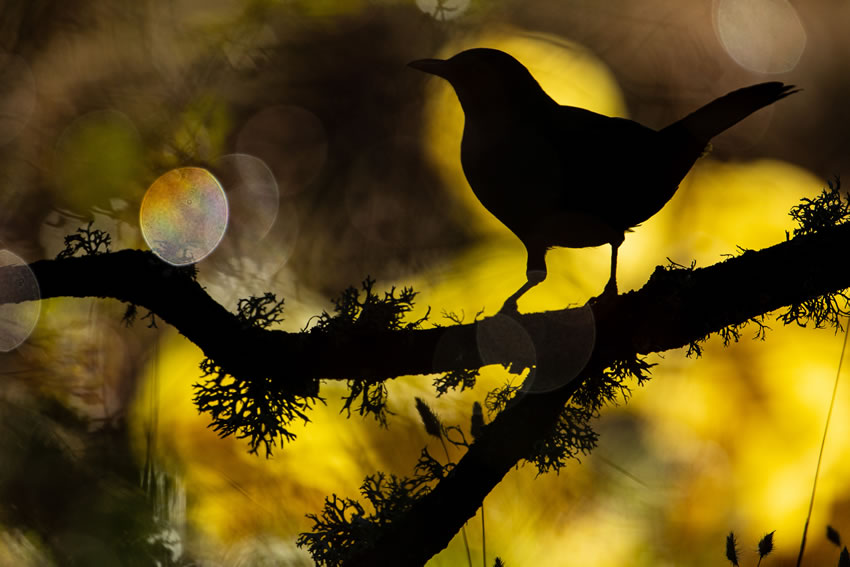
(672, 310)
(675, 308)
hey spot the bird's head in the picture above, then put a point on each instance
(484, 76)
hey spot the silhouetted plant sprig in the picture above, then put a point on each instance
(732, 549)
(729, 334)
(462, 378)
(572, 436)
(435, 428)
(458, 319)
(129, 317)
(344, 527)
(835, 538)
(130, 314)
(262, 312)
(498, 399)
(364, 310)
(609, 386)
(476, 422)
(764, 548)
(826, 210)
(675, 266)
(372, 397)
(453, 379)
(256, 409)
(151, 317)
(86, 240)
(822, 311)
(433, 425)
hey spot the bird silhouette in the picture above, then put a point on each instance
(562, 176)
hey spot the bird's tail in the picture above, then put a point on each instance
(726, 111)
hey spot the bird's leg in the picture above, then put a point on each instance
(535, 273)
(532, 279)
(611, 286)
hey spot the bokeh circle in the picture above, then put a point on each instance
(572, 337)
(184, 215)
(252, 194)
(17, 320)
(765, 36)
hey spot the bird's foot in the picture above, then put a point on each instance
(608, 294)
(509, 308)
(533, 277)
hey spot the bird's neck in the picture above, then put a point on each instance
(499, 104)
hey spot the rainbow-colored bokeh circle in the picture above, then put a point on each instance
(184, 215)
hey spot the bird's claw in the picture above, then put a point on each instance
(608, 294)
(509, 308)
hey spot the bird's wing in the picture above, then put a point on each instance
(607, 163)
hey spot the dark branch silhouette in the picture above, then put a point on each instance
(676, 307)
(673, 309)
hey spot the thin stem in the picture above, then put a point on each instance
(463, 528)
(483, 537)
(823, 444)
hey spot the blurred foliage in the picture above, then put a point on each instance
(202, 131)
(79, 502)
(100, 158)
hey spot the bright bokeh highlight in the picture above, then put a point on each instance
(184, 215)
(17, 320)
(765, 36)
(252, 194)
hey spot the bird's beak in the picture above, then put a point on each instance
(437, 67)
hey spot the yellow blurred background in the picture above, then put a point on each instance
(365, 158)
